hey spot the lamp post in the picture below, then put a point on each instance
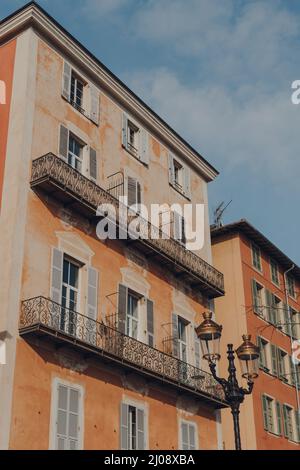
(209, 333)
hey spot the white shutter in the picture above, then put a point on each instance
(171, 168)
(144, 152)
(140, 429)
(187, 182)
(66, 81)
(94, 96)
(63, 142)
(192, 437)
(67, 418)
(197, 350)
(184, 436)
(124, 129)
(177, 226)
(56, 275)
(93, 164)
(92, 293)
(124, 426)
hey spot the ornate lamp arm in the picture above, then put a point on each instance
(248, 391)
(221, 381)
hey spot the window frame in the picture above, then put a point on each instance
(143, 407)
(78, 79)
(291, 293)
(54, 411)
(273, 264)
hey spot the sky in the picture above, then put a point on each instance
(220, 73)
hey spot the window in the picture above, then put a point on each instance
(288, 422)
(274, 272)
(188, 435)
(179, 176)
(257, 298)
(291, 286)
(282, 364)
(295, 323)
(133, 427)
(66, 416)
(76, 95)
(75, 153)
(69, 298)
(263, 353)
(132, 315)
(256, 258)
(268, 413)
(135, 139)
(273, 306)
(182, 339)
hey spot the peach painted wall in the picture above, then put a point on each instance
(45, 225)
(7, 60)
(232, 255)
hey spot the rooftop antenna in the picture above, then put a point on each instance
(218, 213)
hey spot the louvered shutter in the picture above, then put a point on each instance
(132, 191)
(265, 412)
(63, 142)
(92, 293)
(150, 323)
(297, 422)
(171, 169)
(274, 359)
(175, 348)
(177, 226)
(144, 152)
(67, 420)
(187, 182)
(138, 194)
(93, 164)
(66, 82)
(140, 429)
(254, 297)
(197, 350)
(286, 316)
(122, 308)
(124, 426)
(269, 305)
(192, 437)
(94, 96)
(292, 372)
(279, 418)
(261, 361)
(56, 277)
(124, 130)
(285, 421)
(184, 436)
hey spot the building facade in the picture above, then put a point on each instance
(101, 351)
(262, 299)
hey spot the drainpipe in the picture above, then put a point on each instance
(290, 332)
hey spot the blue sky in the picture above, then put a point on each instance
(220, 73)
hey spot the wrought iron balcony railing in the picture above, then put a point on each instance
(54, 176)
(43, 316)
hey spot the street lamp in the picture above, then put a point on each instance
(209, 334)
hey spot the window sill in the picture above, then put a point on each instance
(134, 155)
(80, 111)
(179, 191)
(259, 271)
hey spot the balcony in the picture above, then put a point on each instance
(43, 317)
(53, 176)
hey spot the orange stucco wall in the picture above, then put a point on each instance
(232, 255)
(37, 363)
(7, 59)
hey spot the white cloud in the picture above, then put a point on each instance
(260, 134)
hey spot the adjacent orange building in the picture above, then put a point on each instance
(101, 351)
(262, 299)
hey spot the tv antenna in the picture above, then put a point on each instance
(218, 213)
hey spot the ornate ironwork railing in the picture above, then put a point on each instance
(92, 195)
(42, 312)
